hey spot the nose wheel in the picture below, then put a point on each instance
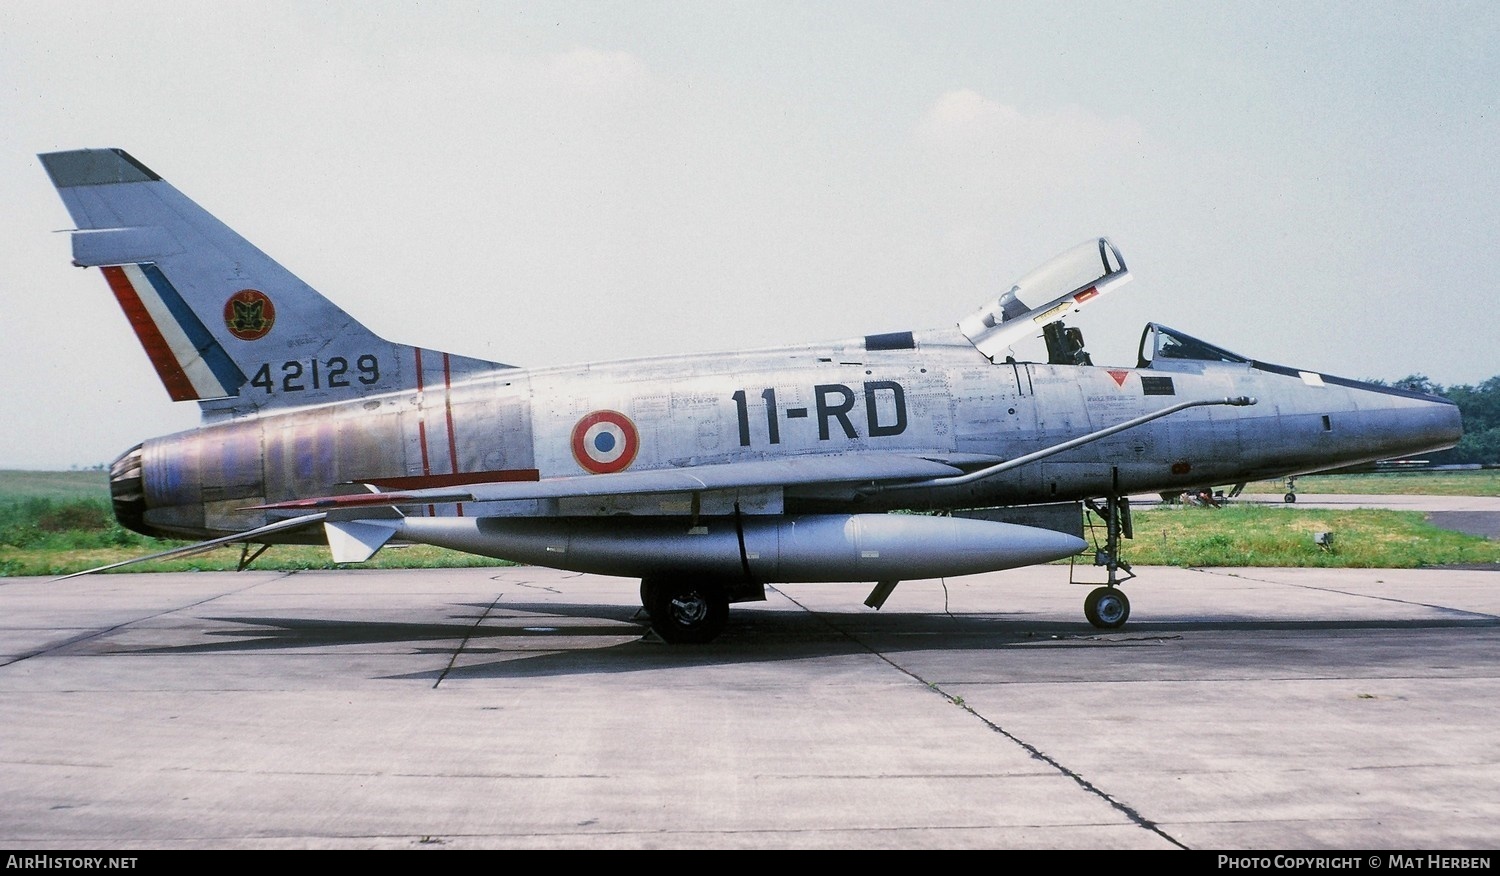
(1107, 608)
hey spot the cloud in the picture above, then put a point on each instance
(1001, 184)
(964, 113)
(966, 127)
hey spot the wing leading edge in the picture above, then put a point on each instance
(794, 471)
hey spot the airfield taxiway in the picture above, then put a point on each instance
(520, 707)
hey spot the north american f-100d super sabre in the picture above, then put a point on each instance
(706, 477)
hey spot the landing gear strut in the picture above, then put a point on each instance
(1107, 607)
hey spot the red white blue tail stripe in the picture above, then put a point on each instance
(191, 364)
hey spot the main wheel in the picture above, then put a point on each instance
(687, 611)
(1289, 498)
(1107, 608)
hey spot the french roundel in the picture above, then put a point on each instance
(605, 441)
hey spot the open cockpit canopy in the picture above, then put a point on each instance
(1065, 283)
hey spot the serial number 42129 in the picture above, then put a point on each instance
(300, 376)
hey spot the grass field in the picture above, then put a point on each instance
(54, 485)
(54, 523)
(1257, 535)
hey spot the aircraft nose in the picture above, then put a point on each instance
(1410, 422)
(1450, 423)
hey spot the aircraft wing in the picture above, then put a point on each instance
(785, 472)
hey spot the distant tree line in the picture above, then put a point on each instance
(1480, 406)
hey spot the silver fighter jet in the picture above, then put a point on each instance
(706, 477)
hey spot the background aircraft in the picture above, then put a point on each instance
(705, 476)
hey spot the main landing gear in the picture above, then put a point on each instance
(685, 611)
(1291, 491)
(1107, 607)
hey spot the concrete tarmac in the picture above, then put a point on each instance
(520, 707)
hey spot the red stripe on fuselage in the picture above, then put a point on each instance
(179, 387)
(448, 413)
(457, 479)
(422, 428)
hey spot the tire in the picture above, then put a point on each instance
(1289, 498)
(685, 611)
(1107, 608)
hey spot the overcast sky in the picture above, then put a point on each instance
(1314, 184)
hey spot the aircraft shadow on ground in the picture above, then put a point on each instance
(561, 639)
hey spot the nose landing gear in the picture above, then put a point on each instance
(1107, 607)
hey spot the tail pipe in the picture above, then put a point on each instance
(127, 492)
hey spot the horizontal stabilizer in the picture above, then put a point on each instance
(188, 550)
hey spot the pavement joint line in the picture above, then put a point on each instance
(1128, 811)
(1036, 753)
(135, 620)
(442, 676)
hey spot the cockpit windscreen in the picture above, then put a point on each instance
(1162, 344)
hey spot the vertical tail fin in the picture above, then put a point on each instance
(222, 322)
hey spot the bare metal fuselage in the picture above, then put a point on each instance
(937, 397)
